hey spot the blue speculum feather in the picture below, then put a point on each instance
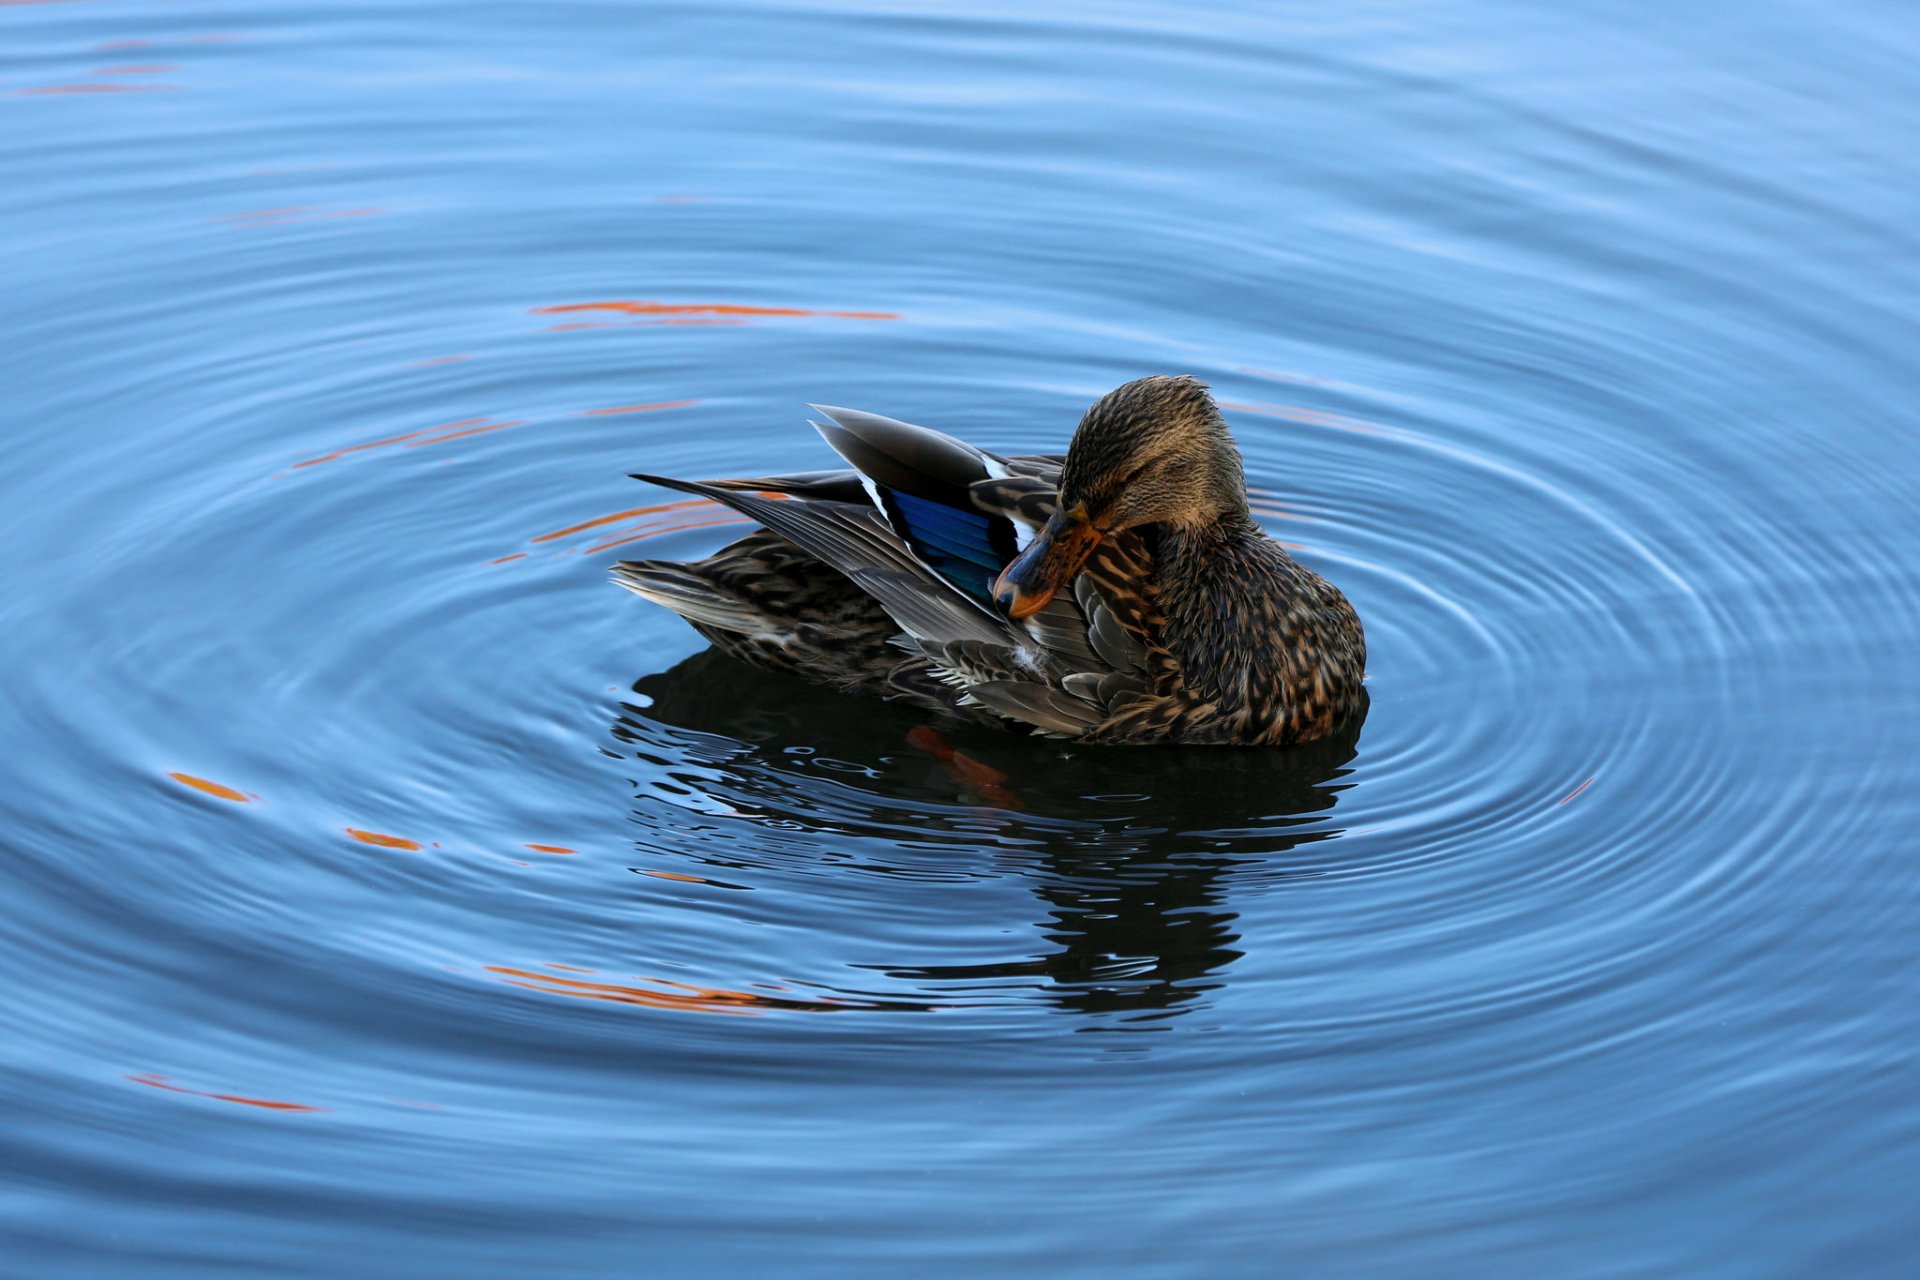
(956, 544)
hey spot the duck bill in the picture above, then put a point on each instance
(1048, 564)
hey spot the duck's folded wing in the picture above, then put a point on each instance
(924, 523)
(857, 541)
(965, 513)
(922, 482)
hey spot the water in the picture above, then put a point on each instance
(381, 884)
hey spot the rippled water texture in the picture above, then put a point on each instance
(382, 884)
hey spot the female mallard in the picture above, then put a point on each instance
(1123, 594)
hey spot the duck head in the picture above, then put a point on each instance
(1154, 451)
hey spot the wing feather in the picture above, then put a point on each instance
(1047, 709)
(857, 541)
(922, 524)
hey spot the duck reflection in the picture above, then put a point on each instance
(1131, 851)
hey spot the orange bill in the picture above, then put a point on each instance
(1048, 564)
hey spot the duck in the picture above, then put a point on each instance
(1119, 594)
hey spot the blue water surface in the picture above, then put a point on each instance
(384, 893)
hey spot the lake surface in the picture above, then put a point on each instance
(385, 892)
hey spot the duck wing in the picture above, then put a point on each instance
(857, 540)
(923, 524)
(922, 481)
(966, 512)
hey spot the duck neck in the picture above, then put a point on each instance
(1202, 575)
(1189, 553)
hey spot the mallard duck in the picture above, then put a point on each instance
(1121, 594)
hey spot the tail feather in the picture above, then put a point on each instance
(688, 594)
(820, 486)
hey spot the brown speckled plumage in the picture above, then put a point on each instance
(1150, 607)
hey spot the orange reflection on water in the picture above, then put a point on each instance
(468, 430)
(1577, 790)
(1316, 417)
(154, 1080)
(673, 524)
(212, 788)
(640, 408)
(964, 768)
(518, 555)
(636, 324)
(112, 46)
(371, 444)
(1267, 502)
(657, 530)
(982, 779)
(413, 439)
(1279, 375)
(551, 848)
(382, 841)
(619, 516)
(47, 90)
(676, 875)
(642, 308)
(666, 994)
